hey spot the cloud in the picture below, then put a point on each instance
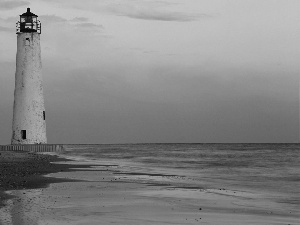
(89, 26)
(164, 16)
(12, 19)
(5, 29)
(79, 22)
(52, 19)
(143, 10)
(79, 19)
(7, 5)
(157, 11)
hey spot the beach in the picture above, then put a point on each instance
(82, 191)
(23, 170)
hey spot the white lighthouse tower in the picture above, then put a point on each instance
(29, 125)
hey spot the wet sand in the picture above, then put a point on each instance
(23, 170)
(105, 194)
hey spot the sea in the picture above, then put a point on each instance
(271, 171)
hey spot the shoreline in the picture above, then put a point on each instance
(21, 170)
(78, 192)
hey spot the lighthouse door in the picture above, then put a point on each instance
(23, 134)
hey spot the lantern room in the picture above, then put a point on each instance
(28, 23)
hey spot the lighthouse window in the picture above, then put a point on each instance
(23, 134)
(27, 42)
(44, 115)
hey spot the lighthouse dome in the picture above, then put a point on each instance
(28, 13)
(28, 23)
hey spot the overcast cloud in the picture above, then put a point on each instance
(152, 11)
(7, 5)
(161, 71)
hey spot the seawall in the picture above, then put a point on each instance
(33, 147)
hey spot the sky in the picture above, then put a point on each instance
(161, 71)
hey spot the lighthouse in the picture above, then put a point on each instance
(29, 124)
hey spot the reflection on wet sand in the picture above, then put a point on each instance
(25, 208)
(103, 198)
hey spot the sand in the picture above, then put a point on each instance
(101, 194)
